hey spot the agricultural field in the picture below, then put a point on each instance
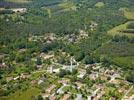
(124, 61)
(129, 14)
(24, 95)
(99, 4)
(119, 30)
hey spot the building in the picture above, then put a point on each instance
(21, 10)
(3, 66)
(94, 75)
(49, 90)
(8, 79)
(25, 75)
(66, 97)
(82, 73)
(79, 97)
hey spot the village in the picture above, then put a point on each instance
(71, 80)
(76, 81)
(66, 50)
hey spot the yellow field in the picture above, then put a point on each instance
(117, 30)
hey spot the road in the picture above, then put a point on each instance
(127, 93)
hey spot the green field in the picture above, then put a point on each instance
(124, 61)
(18, 1)
(118, 30)
(67, 5)
(129, 15)
(24, 95)
(99, 4)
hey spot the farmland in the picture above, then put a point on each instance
(118, 30)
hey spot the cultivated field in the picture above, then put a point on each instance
(129, 15)
(119, 30)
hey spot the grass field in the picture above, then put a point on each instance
(117, 49)
(124, 61)
(118, 30)
(24, 95)
(66, 5)
(99, 4)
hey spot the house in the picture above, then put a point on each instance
(25, 75)
(49, 37)
(93, 26)
(79, 97)
(52, 97)
(46, 56)
(33, 82)
(64, 81)
(49, 90)
(50, 69)
(99, 95)
(22, 50)
(8, 79)
(112, 98)
(94, 75)
(109, 72)
(82, 73)
(2, 55)
(21, 10)
(15, 78)
(96, 66)
(39, 67)
(79, 85)
(3, 66)
(89, 97)
(131, 97)
(60, 90)
(45, 95)
(72, 38)
(42, 79)
(83, 34)
(66, 97)
(101, 70)
(95, 98)
(56, 70)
